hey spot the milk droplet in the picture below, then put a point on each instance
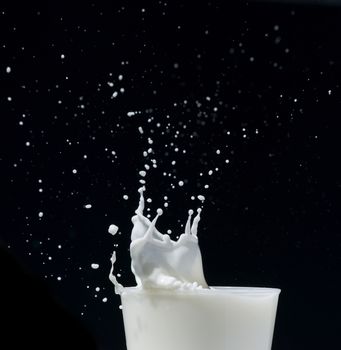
(113, 229)
(105, 300)
(125, 197)
(181, 183)
(142, 173)
(87, 206)
(130, 114)
(201, 197)
(140, 130)
(40, 214)
(74, 171)
(8, 69)
(59, 278)
(97, 289)
(95, 266)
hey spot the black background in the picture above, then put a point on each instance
(269, 71)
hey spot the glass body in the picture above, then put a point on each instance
(219, 318)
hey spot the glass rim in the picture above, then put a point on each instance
(212, 290)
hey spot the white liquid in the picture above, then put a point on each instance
(216, 318)
(172, 307)
(160, 262)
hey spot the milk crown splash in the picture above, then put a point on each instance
(157, 261)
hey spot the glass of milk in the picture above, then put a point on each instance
(218, 318)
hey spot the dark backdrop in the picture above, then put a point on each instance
(260, 82)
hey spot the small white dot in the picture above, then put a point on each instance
(74, 171)
(8, 69)
(113, 229)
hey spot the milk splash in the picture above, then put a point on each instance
(157, 261)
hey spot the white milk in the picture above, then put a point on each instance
(230, 318)
(159, 262)
(172, 307)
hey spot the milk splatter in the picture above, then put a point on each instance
(157, 261)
